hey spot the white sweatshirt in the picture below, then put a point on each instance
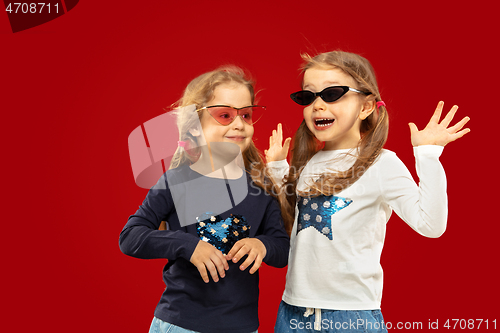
(337, 241)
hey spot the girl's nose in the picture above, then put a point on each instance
(318, 104)
(238, 123)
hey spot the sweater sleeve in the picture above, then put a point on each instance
(274, 237)
(278, 170)
(140, 238)
(423, 207)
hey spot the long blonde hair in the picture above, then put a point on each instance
(374, 130)
(199, 92)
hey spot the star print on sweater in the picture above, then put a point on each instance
(222, 233)
(317, 212)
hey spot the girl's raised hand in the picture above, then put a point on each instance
(277, 149)
(207, 257)
(252, 247)
(436, 133)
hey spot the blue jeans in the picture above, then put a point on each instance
(291, 319)
(159, 326)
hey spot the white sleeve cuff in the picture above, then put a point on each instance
(277, 164)
(428, 151)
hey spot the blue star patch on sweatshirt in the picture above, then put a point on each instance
(317, 212)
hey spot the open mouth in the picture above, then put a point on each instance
(323, 123)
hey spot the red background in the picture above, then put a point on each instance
(74, 88)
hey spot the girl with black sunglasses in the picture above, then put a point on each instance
(221, 221)
(341, 189)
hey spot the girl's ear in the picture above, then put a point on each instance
(194, 132)
(368, 107)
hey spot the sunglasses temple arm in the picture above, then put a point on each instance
(359, 91)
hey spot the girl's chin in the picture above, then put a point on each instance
(243, 145)
(322, 136)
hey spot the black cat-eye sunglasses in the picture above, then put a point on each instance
(330, 94)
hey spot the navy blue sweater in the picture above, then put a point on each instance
(230, 305)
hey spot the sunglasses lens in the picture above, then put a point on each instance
(303, 97)
(223, 115)
(249, 113)
(332, 94)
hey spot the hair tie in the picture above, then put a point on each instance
(381, 103)
(181, 144)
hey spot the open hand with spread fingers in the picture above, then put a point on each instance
(436, 133)
(278, 150)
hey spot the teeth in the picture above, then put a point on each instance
(324, 122)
